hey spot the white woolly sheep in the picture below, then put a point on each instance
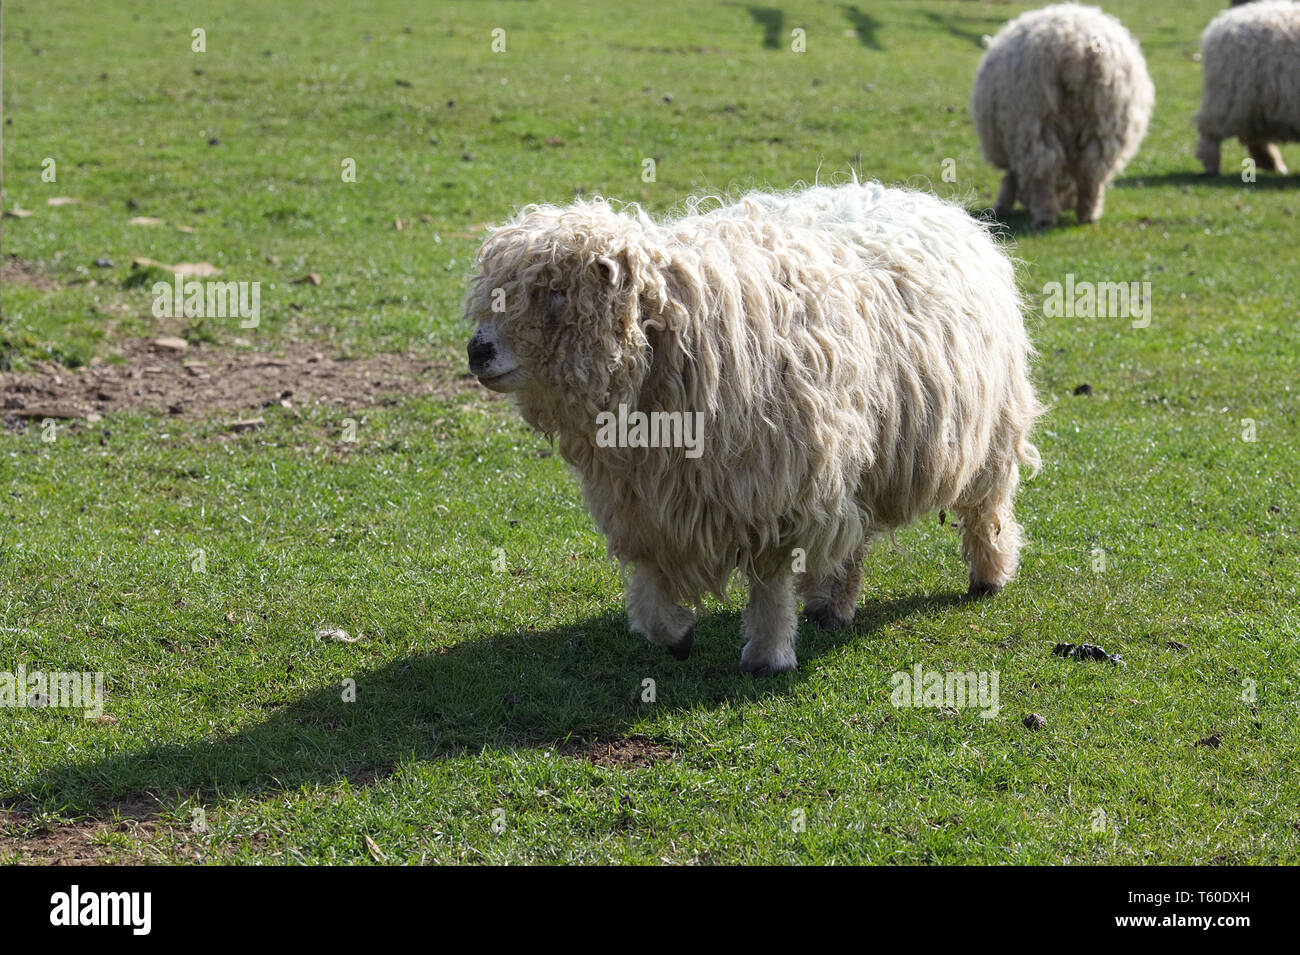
(1250, 57)
(851, 356)
(1062, 100)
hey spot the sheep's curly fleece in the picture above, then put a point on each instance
(1250, 58)
(1062, 101)
(859, 356)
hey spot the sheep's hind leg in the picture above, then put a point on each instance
(1266, 155)
(768, 625)
(1006, 200)
(654, 615)
(829, 602)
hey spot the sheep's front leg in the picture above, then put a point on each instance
(654, 615)
(1043, 202)
(1006, 200)
(1207, 151)
(1091, 199)
(768, 625)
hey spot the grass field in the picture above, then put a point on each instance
(499, 712)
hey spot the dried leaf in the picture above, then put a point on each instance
(184, 269)
(375, 852)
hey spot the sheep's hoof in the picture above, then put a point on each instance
(757, 662)
(824, 617)
(982, 591)
(682, 648)
(763, 669)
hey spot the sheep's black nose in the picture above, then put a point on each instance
(480, 354)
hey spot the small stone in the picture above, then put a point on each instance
(170, 344)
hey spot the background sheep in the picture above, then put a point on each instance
(858, 356)
(1062, 100)
(1250, 58)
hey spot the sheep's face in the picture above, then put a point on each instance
(551, 308)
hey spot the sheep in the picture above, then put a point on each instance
(1250, 58)
(1062, 101)
(832, 363)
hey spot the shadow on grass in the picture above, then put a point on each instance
(508, 691)
(771, 20)
(865, 25)
(1264, 181)
(1016, 225)
(963, 27)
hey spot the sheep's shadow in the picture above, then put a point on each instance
(512, 690)
(771, 19)
(957, 25)
(865, 25)
(1266, 181)
(1016, 224)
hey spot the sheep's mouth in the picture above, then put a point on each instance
(506, 381)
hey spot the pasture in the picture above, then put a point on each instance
(488, 704)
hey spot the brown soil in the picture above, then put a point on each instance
(25, 273)
(628, 752)
(78, 843)
(206, 380)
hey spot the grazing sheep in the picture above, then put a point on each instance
(1062, 100)
(1250, 56)
(832, 363)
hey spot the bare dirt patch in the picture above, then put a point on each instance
(626, 752)
(78, 843)
(204, 380)
(21, 272)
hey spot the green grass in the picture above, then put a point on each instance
(469, 682)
